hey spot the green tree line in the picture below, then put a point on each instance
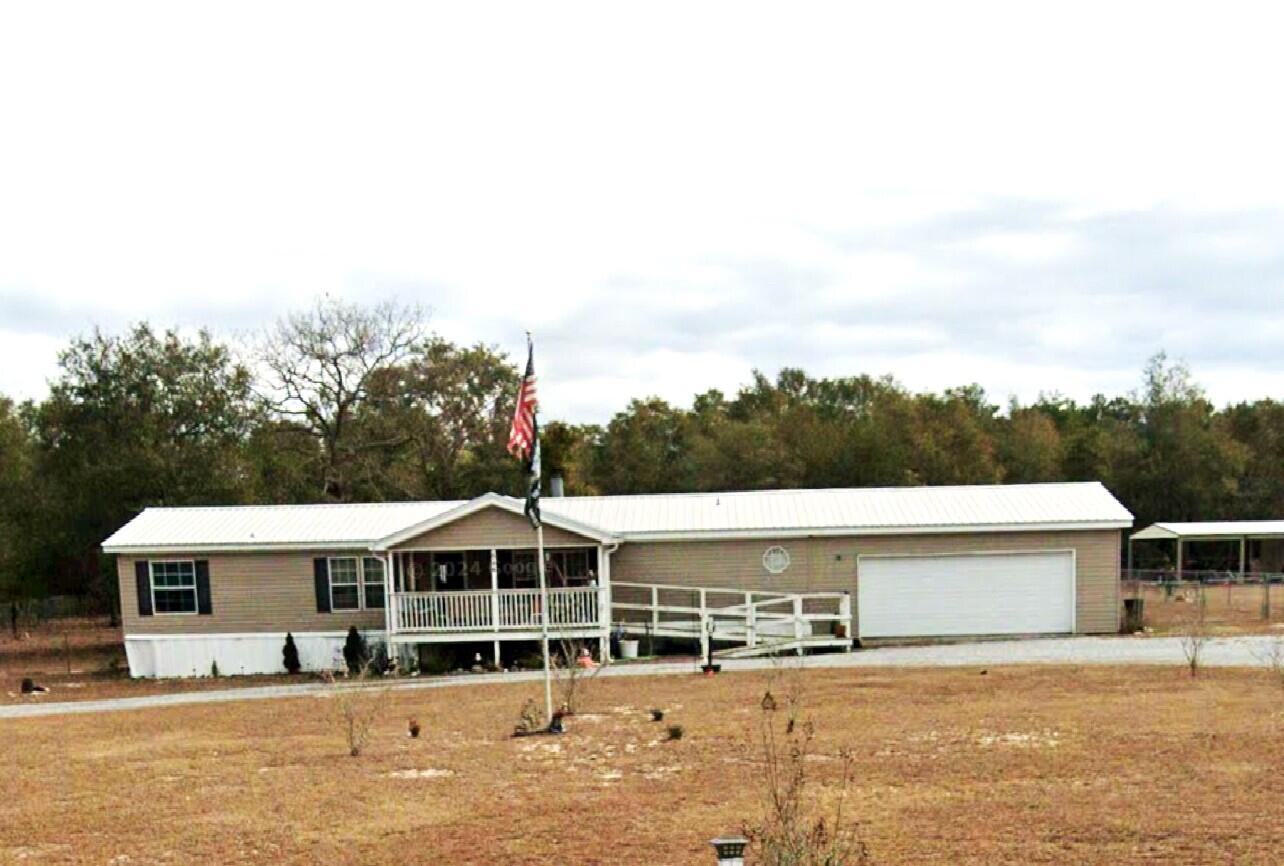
(346, 402)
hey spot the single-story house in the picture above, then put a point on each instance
(761, 571)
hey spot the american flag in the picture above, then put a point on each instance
(523, 438)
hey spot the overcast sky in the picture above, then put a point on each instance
(668, 196)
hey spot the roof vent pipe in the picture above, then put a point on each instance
(555, 485)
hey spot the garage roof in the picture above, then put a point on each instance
(775, 513)
(1212, 529)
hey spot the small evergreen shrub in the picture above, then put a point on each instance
(356, 655)
(214, 669)
(290, 655)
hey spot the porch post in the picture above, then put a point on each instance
(1179, 577)
(389, 619)
(494, 599)
(604, 602)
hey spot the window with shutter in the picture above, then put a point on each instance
(173, 586)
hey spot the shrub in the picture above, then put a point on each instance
(529, 720)
(380, 661)
(356, 655)
(290, 655)
(657, 715)
(214, 669)
(675, 732)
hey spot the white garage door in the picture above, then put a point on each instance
(965, 594)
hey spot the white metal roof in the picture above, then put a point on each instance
(847, 511)
(1211, 529)
(880, 510)
(270, 526)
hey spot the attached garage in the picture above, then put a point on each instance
(952, 595)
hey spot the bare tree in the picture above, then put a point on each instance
(572, 678)
(1194, 631)
(319, 366)
(795, 830)
(357, 706)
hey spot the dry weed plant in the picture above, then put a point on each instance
(357, 706)
(1272, 657)
(795, 828)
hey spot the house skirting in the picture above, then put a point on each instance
(194, 655)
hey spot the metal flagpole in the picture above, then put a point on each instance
(543, 622)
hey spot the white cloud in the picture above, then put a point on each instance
(667, 198)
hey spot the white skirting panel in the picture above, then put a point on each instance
(193, 655)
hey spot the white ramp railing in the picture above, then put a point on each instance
(750, 617)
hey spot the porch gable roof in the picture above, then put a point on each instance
(489, 500)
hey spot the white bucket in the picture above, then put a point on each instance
(628, 649)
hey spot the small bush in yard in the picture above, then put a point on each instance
(675, 732)
(529, 721)
(356, 655)
(290, 655)
(214, 669)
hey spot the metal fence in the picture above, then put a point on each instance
(32, 612)
(1229, 598)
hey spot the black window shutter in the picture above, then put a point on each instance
(143, 580)
(321, 578)
(203, 604)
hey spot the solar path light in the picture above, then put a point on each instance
(730, 850)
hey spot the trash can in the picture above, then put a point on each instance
(1134, 614)
(628, 649)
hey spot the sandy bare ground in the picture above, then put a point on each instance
(1035, 764)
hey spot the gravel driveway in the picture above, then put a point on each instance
(1246, 651)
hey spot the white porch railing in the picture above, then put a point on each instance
(485, 610)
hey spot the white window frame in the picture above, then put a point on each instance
(382, 581)
(329, 566)
(151, 582)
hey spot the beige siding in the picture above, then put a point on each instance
(249, 592)
(492, 527)
(829, 564)
(254, 592)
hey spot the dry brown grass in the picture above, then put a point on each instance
(1230, 609)
(1022, 765)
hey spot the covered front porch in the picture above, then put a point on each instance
(471, 575)
(475, 594)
